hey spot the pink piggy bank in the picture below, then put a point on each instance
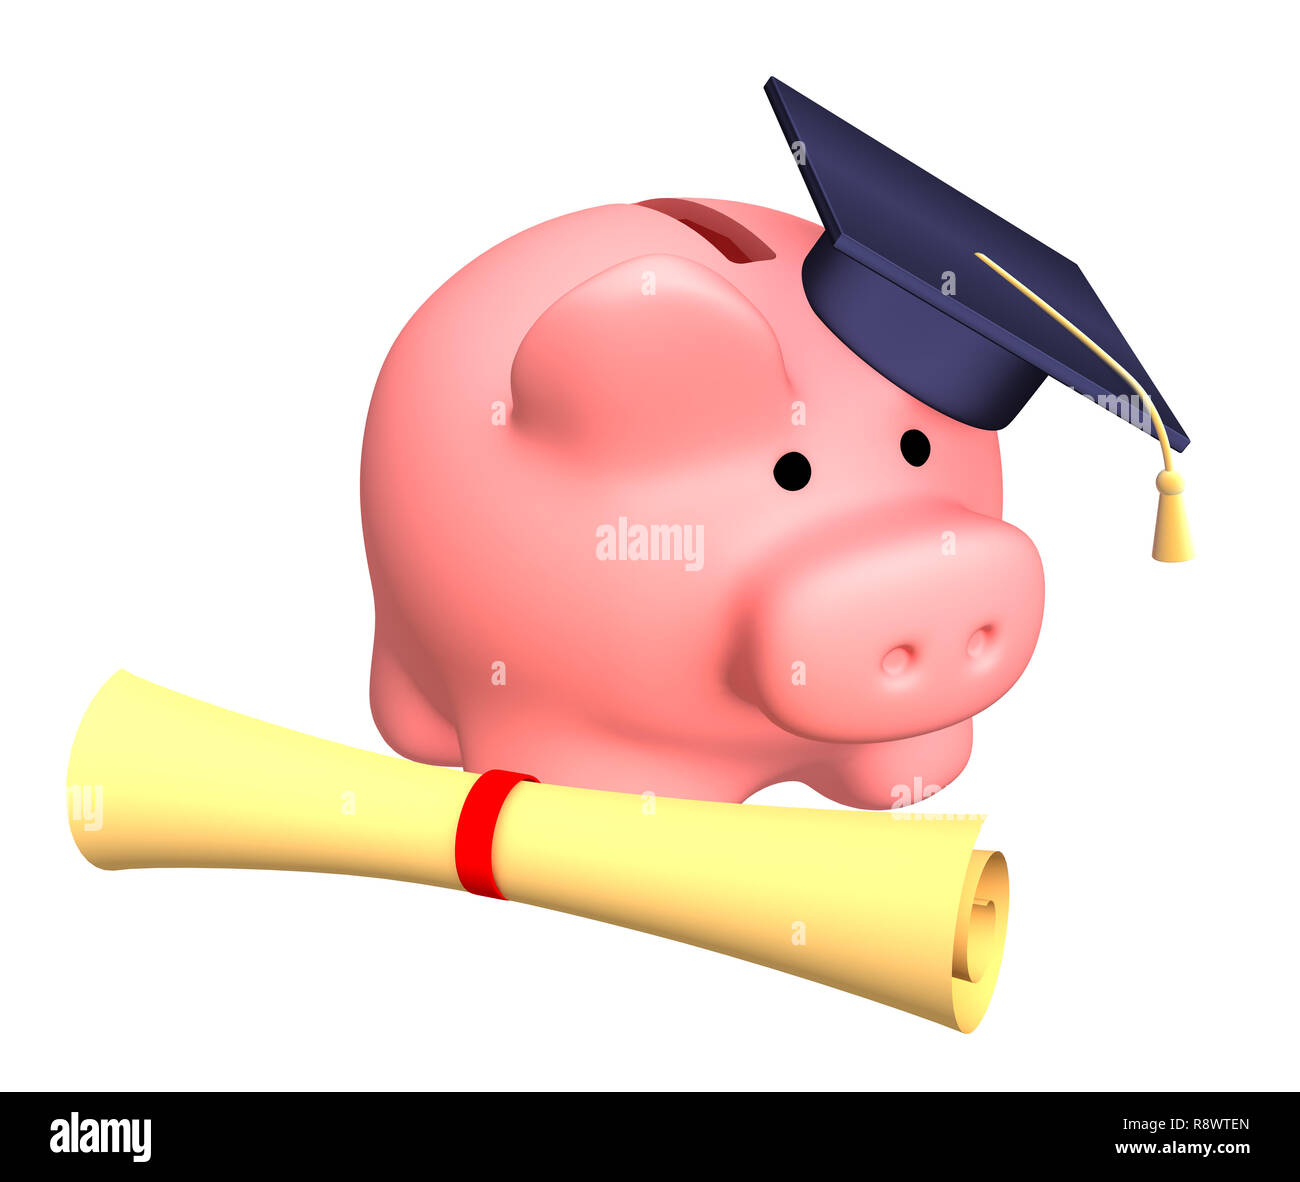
(636, 519)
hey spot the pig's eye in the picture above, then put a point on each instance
(792, 471)
(915, 447)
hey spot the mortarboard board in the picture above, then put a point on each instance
(894, 276)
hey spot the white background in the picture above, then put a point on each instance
(215, 222)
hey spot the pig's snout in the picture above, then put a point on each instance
(886, 630)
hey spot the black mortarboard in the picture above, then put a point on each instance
(896, 278)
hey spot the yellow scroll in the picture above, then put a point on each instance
(897, 907)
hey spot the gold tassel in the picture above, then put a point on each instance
(1173, 540)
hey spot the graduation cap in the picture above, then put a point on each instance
(954, 304)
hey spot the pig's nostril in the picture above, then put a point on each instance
(980, 643)
(895, 662)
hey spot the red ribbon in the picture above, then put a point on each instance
(478, 825)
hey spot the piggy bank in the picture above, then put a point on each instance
(636, 519)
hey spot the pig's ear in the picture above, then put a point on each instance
(657, 355)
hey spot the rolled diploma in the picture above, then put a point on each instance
(898, 907)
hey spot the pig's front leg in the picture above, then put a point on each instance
(891, 774)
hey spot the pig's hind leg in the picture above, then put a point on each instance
(412, 725)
